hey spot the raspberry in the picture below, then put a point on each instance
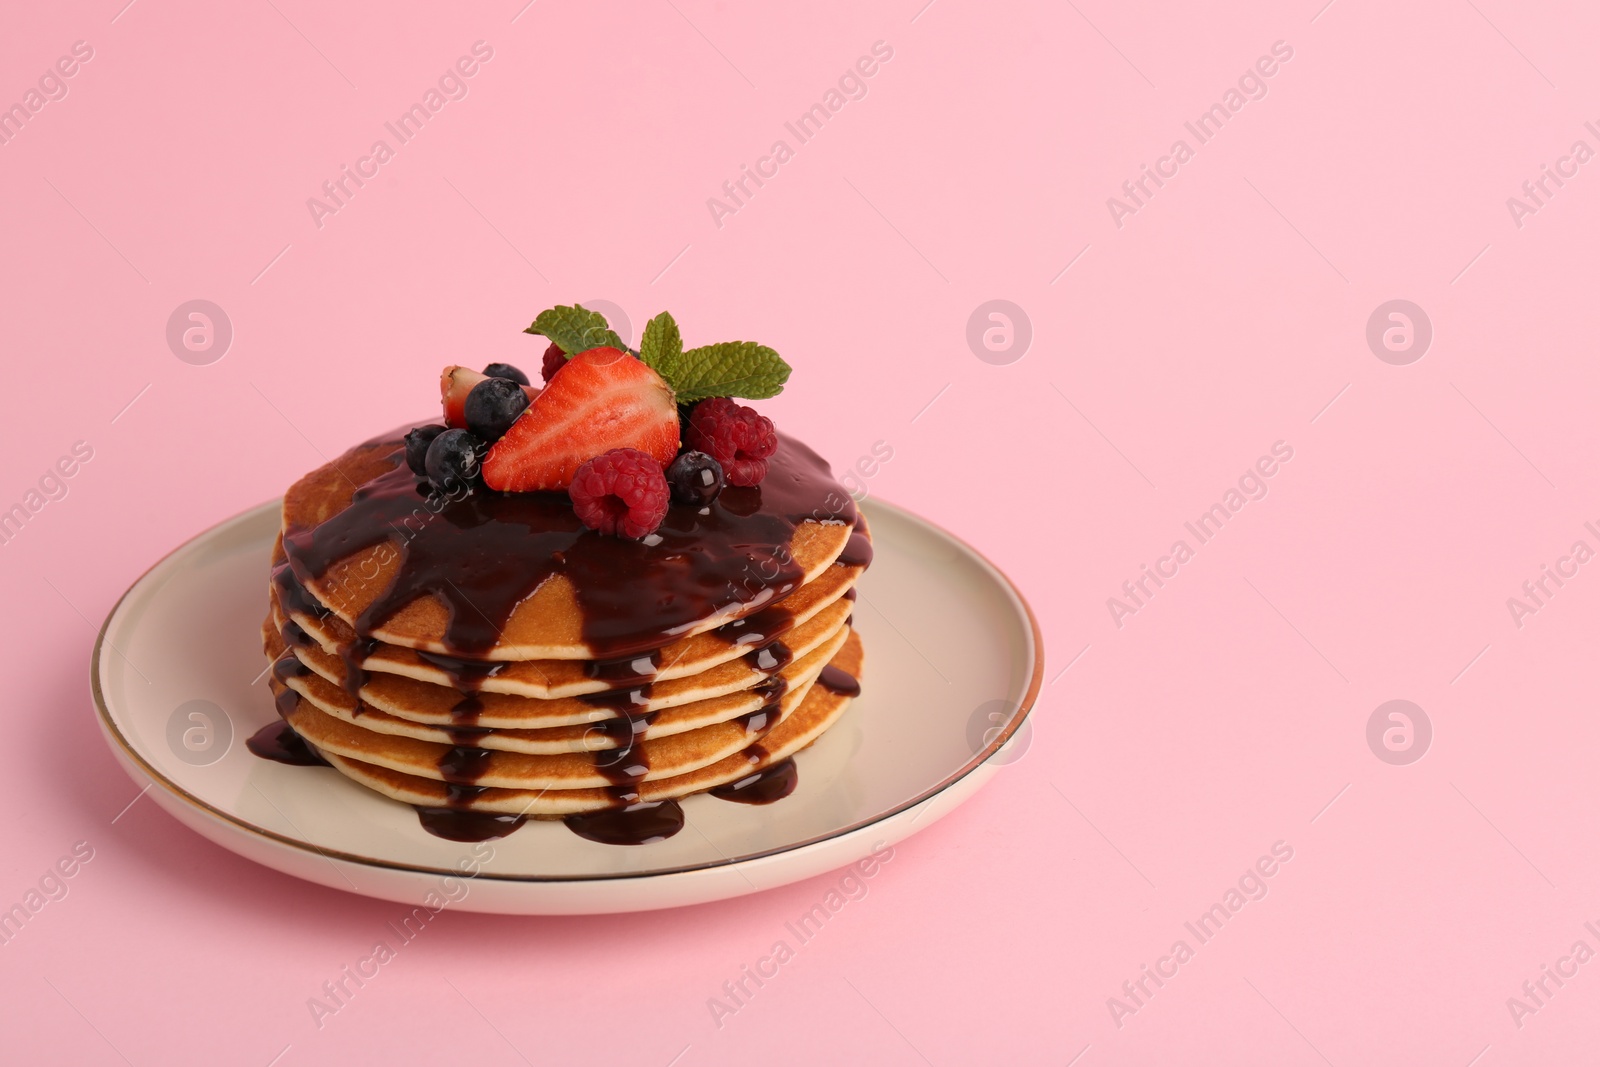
(735, 436)
(621, 492)
(554, 360)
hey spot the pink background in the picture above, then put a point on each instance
(1227, 314)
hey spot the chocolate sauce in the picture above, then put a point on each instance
(483, 554)
(454, 824)
(467, 709)
(285, 667)
(758, 722)
(837, 681)
(772, 691)
(464, 764)
(286, 701)
(759, 629)
(773, 657)
(466, 675)
(625, 671)
(277, 741)
(857, 551)
(289, 666)
(621, 701)
(850, 594)
(763, 787)
(354, 654)
(292, 595)
(294, 635)
(637, 824)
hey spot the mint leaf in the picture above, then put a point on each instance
(662, 345)
(733, 368)
(576, 329)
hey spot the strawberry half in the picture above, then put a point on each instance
(602, 399)
(454, 385)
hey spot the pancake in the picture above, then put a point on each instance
(484, 656)
(658, 758)
(441, 705)
(515, 576)
(820, 709)
(550, 679)
(594, 735)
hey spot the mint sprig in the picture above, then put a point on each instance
(576, 329)
(661, 346)
(732, 368)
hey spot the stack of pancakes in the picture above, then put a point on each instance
(536, 720)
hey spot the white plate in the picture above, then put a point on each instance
(953, 663)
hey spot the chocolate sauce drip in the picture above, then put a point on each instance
(286, 701)
(483, 554)
(294, 635)
(763, 787)
(850, 594)
(765, 717)
(625, 671)
(466, 676)
(622, 701)
(626, 764)
(760, 629)
(857, 551)
(289, 666)
(285, 667)
(773, 657)
(467, 735)
(354, 654)
(837, 681)
(467, 709)
(292, 595)
(759, 721)
(278, 742)
(464, 764)
(454, 824)
(637, 824)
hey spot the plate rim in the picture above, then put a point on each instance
(110, 729)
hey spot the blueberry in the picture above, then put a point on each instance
(455, 459)
(695, 479)
(493, 405)
(417, 442)
(506, 370)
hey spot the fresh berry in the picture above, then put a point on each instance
(621, 492)
(506, 370)
(735, 436)
(602, 399)
(417, 442)
(493, 405)
(695, 479)
(554, 360)
(454, 460)
(455, 385)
